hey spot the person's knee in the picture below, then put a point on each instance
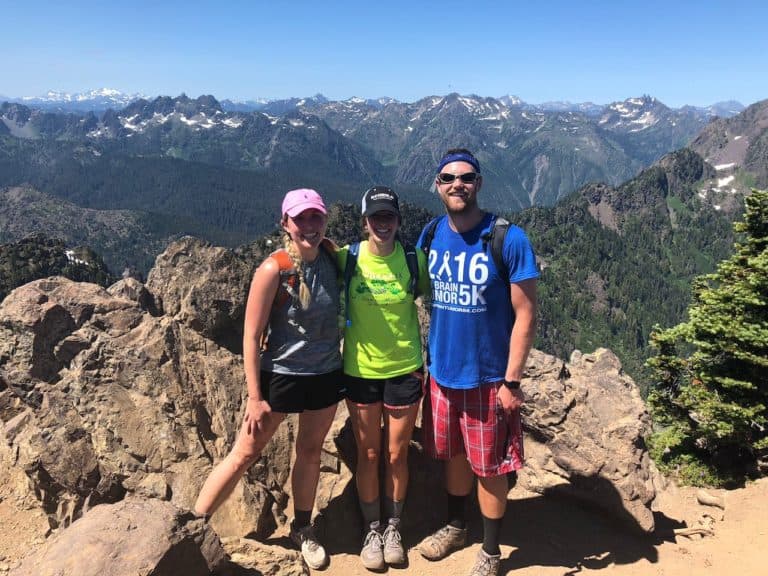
(494, 485)
(398, 457)
(243, 458)
(368, 456)
(309, 450)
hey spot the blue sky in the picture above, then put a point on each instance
(682, 52)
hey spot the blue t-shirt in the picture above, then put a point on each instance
(472, 314)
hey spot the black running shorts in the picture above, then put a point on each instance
(395, 392)
(292, 394)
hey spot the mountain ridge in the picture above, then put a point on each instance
(539, 156)
(102, 98)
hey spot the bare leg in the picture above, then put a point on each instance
(313, 427)
(399, 425)
(227, 473)
(366, 424)
(492, 496)
(458, 476)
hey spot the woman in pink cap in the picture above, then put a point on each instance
(292, 362)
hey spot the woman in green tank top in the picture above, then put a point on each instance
(382, 371)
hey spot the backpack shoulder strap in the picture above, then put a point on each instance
(496, 237)
(283, 260)
(412, 261)
(286, 287)
(429, 234)
(288, 277)
(349, 271)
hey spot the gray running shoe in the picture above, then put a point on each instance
(372, 554)
(486, 564)
(394, 553)
(311, 550)
(438, 545)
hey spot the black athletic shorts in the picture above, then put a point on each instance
(291, 393)
(395, 392)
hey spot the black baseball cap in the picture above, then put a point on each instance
(380, 199)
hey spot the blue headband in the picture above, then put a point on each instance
(459, 157)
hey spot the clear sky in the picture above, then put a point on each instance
(680, 51)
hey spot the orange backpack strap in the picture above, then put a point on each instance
(285, 289)
(283, 260)
(288, 278)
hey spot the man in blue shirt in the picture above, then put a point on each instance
(481, 331)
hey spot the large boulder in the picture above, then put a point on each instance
(101, 399)
(203, 287)
(130, 537)
(585, 425)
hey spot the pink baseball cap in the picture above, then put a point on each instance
(296, 201)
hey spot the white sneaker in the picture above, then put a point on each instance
(311, 550)
(486, 564)
(394, 553)
(372, 553)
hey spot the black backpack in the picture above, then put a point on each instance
(494, 237)
(411, 260)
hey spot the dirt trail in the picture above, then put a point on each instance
(545, 537)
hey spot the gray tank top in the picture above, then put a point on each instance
(306, 342)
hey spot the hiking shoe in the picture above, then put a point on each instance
(438, 545)
(372, 554)
(486, 564)
(311, 550)
(394, 553)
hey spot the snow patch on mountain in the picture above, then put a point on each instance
(98, 98)
(722, 182)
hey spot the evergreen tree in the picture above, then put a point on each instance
(710, 394)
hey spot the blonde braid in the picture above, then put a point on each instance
(305, 297)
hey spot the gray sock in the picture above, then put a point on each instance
(393, 508)
(371, 512)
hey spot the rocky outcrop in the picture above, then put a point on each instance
(132, 391)
(103, 399)
(130, 537)
(202, 287)
(585, 425)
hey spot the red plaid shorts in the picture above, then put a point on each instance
(471, 422)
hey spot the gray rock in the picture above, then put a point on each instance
(204, 288)
(131, 289)
(125, 396)
(585, 424)
(268, 560)
(130, 537)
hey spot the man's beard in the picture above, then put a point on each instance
(470, 204)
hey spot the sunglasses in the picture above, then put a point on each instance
(467, 177)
